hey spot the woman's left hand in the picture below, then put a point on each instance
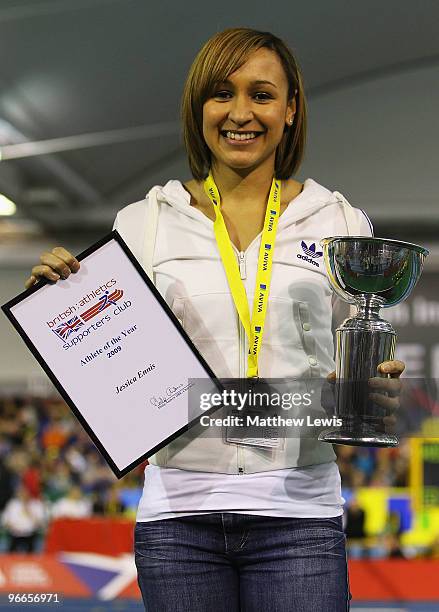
(386, 390)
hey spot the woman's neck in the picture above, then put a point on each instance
(244, 187)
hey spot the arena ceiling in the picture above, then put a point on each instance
(89, 105)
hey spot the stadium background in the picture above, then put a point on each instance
(112, 71)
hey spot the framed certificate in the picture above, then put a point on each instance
(115, 352)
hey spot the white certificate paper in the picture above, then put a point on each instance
(115, 352)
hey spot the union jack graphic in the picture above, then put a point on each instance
(64, 330)
(311, 249)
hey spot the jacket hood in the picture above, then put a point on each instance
(312, 198)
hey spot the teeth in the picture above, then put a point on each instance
(234, 136)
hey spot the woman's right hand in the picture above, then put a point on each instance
(56, 264)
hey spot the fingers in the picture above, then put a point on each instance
(386, 391)
(393, 368)
(390, 421)
(38, 272)
(56, 264)
(391, 404)
(327, 397)
(30, 281)
(61, 261)
(392, 386)
(67, 257)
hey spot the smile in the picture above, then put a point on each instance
(236, 138)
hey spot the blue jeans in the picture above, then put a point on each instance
(225, 562)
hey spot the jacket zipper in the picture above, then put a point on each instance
(241, 262)
(242, 356)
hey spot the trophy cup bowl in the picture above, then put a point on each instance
(371, 273)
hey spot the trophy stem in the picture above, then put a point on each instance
(368, 306)
(363, 342)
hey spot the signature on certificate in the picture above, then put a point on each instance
(170, 393)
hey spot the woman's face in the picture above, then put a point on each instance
(253, 101)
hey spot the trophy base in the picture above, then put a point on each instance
(351, 438)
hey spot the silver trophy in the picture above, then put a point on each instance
(372, 273)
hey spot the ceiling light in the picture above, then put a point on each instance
(7, 206)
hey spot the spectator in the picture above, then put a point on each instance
(393, 546)
(31, 478)
(58, 479)
(432, 551)
(6, 484)
(72, 506)
(355, 521)
(98, 476)
(355, 529)
(22, 518)
(109, 503)
(54, 436)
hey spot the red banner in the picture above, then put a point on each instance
(107, 536)
(395, 580)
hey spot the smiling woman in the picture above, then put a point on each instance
(244, 115)
(238, 115)
(222, 75)
(247, 521)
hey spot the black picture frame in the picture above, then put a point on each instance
(113, 235)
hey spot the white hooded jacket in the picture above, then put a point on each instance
(176, 246)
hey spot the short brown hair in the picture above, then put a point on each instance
(220, 56)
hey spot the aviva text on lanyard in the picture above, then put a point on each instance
(254, 327)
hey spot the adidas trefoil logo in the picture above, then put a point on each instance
(311, 250)
(310, 253)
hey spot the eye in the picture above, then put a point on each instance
(263, 93)
(221, 94)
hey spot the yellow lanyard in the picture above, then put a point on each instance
(254, 328)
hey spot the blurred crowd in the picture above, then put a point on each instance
(367, 466)
(49, 468)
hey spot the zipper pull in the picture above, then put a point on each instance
(241, 261)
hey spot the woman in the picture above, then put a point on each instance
(223, 525)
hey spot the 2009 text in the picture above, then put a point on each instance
(115, 350)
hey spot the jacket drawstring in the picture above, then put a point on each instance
(151, 232)
(352, 222)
